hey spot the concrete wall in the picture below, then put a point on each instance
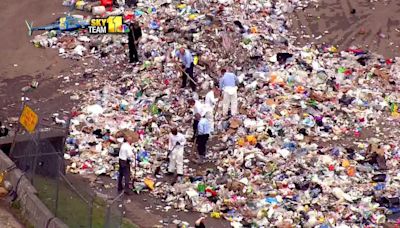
(32, 208)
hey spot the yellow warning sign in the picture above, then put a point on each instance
(29, 119)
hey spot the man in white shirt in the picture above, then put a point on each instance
(198, 108)
(125, 156)
(210, 103)
(176, 147)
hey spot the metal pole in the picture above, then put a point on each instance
(18, 128)
(13, 142)
(134, 171)
(91, 213)
(107, 224)
(120, 197)
(37, 151)
(58, 171)
(57, 185)
(63, 143)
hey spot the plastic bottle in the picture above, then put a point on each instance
(201, 187)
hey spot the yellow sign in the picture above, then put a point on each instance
(29, 119)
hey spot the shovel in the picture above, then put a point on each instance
(157, 171)
(184, 72)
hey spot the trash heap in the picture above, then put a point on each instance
(314, 144)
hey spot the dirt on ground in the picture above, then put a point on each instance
(19, 56)
(22, 63)
(143, 209)
(370, 25)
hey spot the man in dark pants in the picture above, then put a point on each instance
(125, 155)
(194, 126)
(134, 35)
(186, 59)
(203, 133)
(198, 108)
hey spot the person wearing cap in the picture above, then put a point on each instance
(198, 108)
(176, 144)
(134, 35)
(186, 59)
(228, 84)
(210, 102)
(125, 156)
(204, 131)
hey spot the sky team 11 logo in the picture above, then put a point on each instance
(111, 24)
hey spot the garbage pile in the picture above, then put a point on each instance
(314, 144)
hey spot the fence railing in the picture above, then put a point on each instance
(42, 160)
(114, 212)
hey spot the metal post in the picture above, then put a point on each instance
(57, 185)
(64, 140)
(134, 171)
(13, 142)
(122, 209)
(91, 213)
(18, 127)
(107, 222)
(35, 157)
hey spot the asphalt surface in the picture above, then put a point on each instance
(7, 219)
(370, 25)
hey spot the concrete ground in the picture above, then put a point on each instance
(7, 220)
(370, 25)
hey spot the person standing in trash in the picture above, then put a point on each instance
(228, 84)
(210, 102)
(134, 35)
(125, 156)
(186, 58)
(176, 147)
(198, 108)
(204, 131)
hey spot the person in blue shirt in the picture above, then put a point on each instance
(186, 59)
(203, 133)
(228, 84)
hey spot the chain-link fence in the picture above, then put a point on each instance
(114, 212)
(41, 157)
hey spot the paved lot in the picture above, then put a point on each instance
(372, 25)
